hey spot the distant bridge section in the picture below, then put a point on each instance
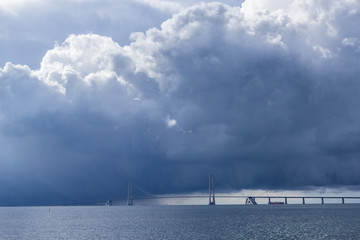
(252, 197)
(211, 196)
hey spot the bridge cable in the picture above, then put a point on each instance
(143, 191)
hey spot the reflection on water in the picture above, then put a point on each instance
(182, 222)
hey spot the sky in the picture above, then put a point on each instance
(93, 94)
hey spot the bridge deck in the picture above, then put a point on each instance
(243, 196)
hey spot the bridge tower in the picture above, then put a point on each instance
(211, 190)
(130, 199)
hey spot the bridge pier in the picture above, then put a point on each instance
(211, 190)
(342, 200)
(250, 200)
(322, 200)
(303, 202)
(286, 200)
(269, 200)
(130, 199)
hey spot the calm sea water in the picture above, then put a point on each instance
(182, 222)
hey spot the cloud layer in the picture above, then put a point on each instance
(262, 96)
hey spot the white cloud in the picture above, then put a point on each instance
(352, 42)
(86, 57)
(324, 53)
(170, 122)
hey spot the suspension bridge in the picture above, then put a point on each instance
(248, 199)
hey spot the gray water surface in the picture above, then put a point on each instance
(333, 221)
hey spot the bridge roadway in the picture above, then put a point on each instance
(254, 197)
(236, 196)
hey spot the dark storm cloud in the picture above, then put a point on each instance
(262, 99)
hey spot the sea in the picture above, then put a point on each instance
(310, 221)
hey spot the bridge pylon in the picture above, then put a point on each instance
(211, 190)
(130, 199)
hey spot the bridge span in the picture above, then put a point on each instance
(322, 198)
(248, 199)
